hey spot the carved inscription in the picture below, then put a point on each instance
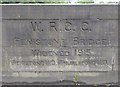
(62, 44)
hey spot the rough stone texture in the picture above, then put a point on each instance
(60, 34)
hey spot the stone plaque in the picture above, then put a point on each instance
(45, 39)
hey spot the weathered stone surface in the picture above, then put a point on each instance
(54, 43)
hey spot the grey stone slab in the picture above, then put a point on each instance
(37, 12)
(55, 43)
(104, 12)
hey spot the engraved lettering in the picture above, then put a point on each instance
(85, 26)
(68, 26)
(53, 26)
(36, 26)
